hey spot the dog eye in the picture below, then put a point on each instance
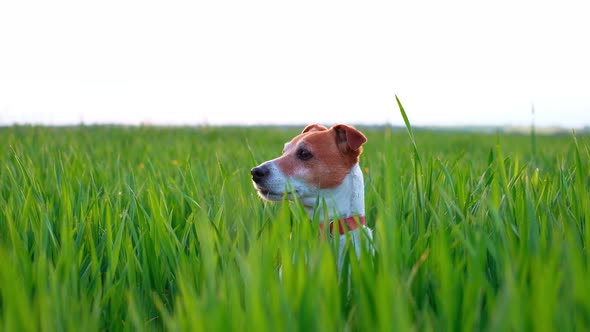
(304, 154)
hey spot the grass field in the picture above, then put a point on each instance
(144, 228)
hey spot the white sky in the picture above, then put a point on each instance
(254, 62)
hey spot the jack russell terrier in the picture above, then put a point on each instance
(320, 167)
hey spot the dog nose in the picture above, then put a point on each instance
(259, 173)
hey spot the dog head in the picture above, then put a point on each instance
(317, 159)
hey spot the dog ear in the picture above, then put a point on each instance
(349, 138)
(314, 127)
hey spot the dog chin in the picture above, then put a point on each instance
(269, 195)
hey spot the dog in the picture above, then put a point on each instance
(320, 168)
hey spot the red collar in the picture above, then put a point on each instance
(346, 224)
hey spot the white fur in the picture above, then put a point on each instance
(344, 201)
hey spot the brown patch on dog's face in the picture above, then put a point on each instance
(322, 157)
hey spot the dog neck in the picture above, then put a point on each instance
(344, 201)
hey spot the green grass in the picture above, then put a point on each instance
(112, 228)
